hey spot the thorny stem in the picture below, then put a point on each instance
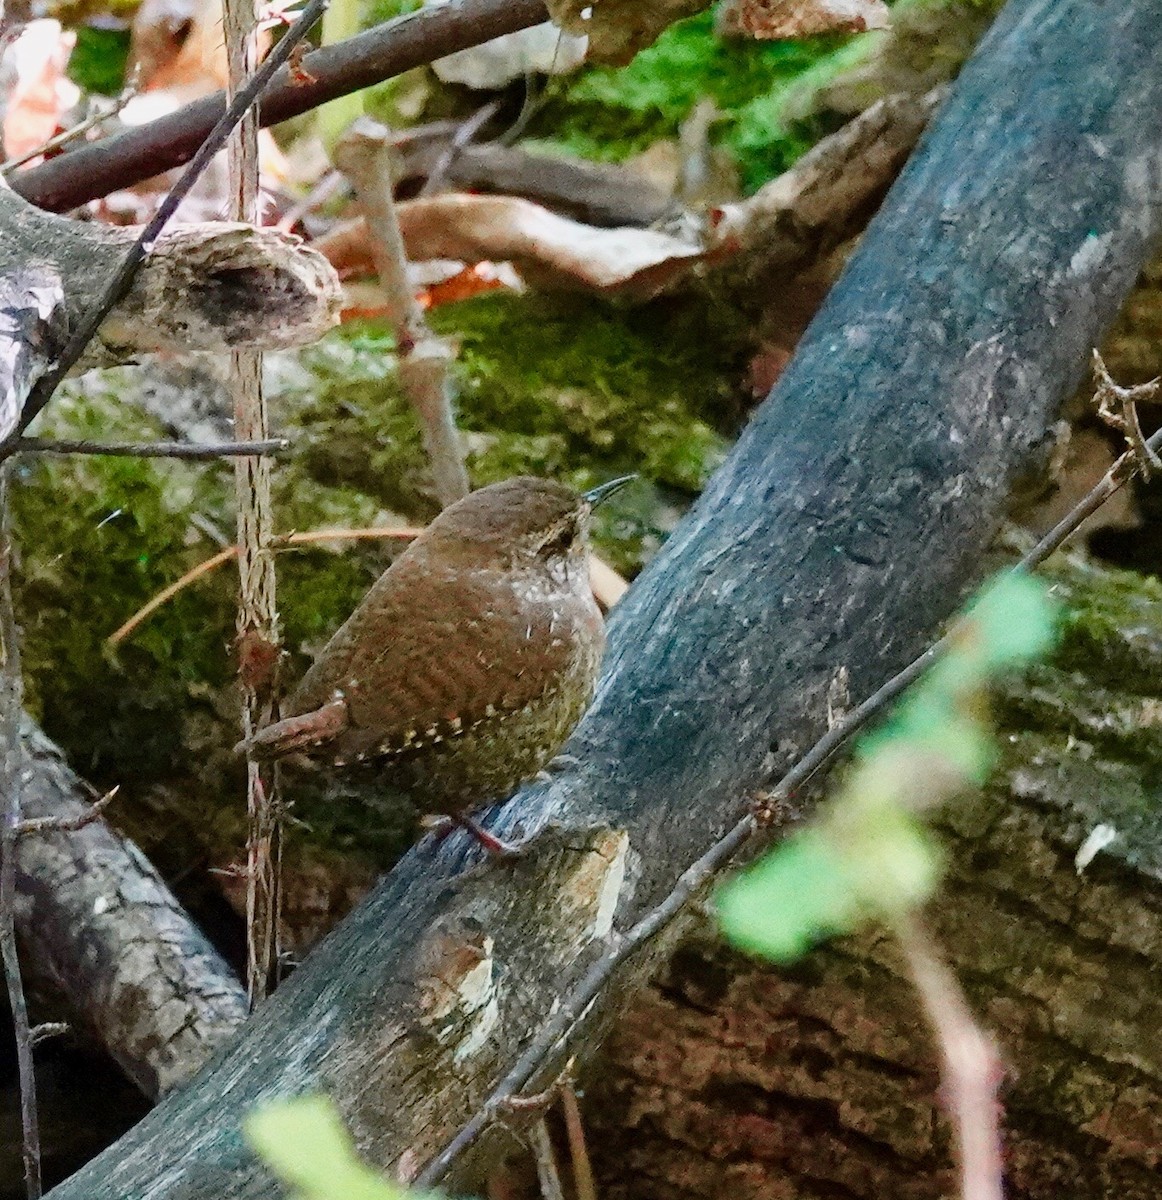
(257, 622)
(572, 1006)
(11, 701)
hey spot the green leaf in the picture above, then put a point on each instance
(890, 861)
(789, 900)
(870, 856)
(828, 881)
(1016, 620)
(305, 1144)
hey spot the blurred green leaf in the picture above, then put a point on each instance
(1016, 621)
(789, 900)
(306, 1145)
(818, 884)
(869, 855)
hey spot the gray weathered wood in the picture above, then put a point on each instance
(845, 526)
(99, 925)
(210, 286)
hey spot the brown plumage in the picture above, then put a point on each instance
(469, 661)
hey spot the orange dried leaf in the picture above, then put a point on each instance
(472, 281)
(41, 94)
(543, 247)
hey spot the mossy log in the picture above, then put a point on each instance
(730, 1079)
(845, 526)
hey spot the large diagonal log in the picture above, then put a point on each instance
(843, 529)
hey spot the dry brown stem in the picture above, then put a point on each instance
(364, 155)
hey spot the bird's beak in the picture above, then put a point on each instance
(603, 491)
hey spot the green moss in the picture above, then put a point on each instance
(565, 386)
(1112, 624)
(99, 538)
(97, 62)
(611, 114)
(612, 388)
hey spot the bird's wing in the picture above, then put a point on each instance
(412, 672)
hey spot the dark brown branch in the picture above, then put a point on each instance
(417, 39)
(186, 450)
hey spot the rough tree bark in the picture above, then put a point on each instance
(100, 926)
(728, 1080)
(844, 527)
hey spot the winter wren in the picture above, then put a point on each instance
(470, 660)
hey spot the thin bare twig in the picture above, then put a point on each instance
(279, 542)
(122, 280)
(547, 1174)
(461, 138)
(1118, 407)
(186, 450)
(540, 1102)
(11, 703)
(101, 112)
(573, 1004)
(47, 1030)
(971, 1064)
(364, 155)
(583, 1184)
(39, 825)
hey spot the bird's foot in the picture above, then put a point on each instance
(441, 826)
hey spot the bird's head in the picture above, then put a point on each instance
(520, 522)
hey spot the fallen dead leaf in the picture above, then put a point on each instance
(449, 282)
(776, 19)
(546, 249)
(42, 93)
(618, 29)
